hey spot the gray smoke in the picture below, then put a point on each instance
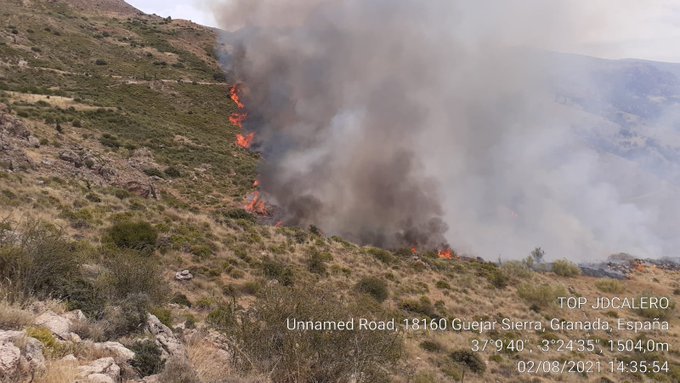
(416, 123)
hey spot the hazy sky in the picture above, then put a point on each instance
(647, 29)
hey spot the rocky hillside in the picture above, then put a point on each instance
(126, 254)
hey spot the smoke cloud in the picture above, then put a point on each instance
(419, 123)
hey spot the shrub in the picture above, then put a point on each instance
(221, 318)
(100, 62)
(129, 316)
(421, 306)
(264, 342)
(178, 370)
(128, 272)
(431, 346)
(147, 360)
(137, 235)
(383, 256)
(153, 172)
(110, 141)
(540, 296)
(516, 270)
(316, 263)
(13, 317)
(610, 286)
(443, 285)
(164, 315)
(654, 312)
(373, 286)
(469, 359)
(181, 299)
(172, 172)
(498, 278)
(278, 271)
(565, 268)
(36, 259)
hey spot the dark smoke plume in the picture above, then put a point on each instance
(409, 122)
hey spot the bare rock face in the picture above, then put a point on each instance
(10, 357)
(13, 137)
(104, 370)
(30, 358)
(120, 352)
(170, 345)
(60, 325)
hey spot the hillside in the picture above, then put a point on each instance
(126, 254)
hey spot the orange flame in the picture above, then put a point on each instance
(256, 205)
(414, 251)
(446, 254)
(237, 119)
(245, 141)
(233, 94)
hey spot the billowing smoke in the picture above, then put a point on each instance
(416, 123)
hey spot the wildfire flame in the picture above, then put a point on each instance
(233, 94)
(414, 251)
(256, 205)
(237, 119)
(245, 141)
(446, 254)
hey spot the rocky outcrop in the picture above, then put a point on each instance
(28, 361)
(117, 350)
(170, 345)
(104, 370)
(60, 325)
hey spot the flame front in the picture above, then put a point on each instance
(237, 119)
(245, 141)
(446, 254)
(233, 94)
(256, 205)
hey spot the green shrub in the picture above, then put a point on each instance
(540, 296)
(380, 254)
(137, 235)
(443, 285)
(147, 360)
(498, 278)
(36, 259)
(516, 270)
(172, 172)
(316, 263)
(163, 314)
(126, 317)
(565, 268)
(221, 318)
(153, 172)
(181, 299)
(654, 312)
(611, 286)
(110, 141)
(373, 286)
(469, 359)
(128, 272)
(278, 271)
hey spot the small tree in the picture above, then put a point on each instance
(537, 254)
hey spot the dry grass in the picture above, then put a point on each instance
(210, 363)
(13, 316)
(59, 372)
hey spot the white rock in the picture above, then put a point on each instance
(100, 378)
(120, 352)
(33, 349)
(58, 325)
(165, 338)
(70, 358)
(184, 275)
(10, 355)
(103, 366)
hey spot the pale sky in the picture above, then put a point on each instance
(648, 29)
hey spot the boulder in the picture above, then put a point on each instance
(71, 156)
(58, 325)
(32, 349)
(100, 370)
(120, 352)
(10, 357)
(33, 141)
(170, 345)
(184, 275)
